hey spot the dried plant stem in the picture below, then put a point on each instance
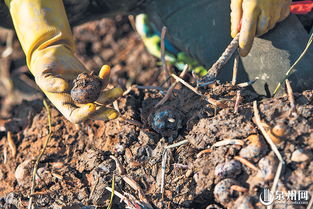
(11, 143)
(177, 144)
(128, 90)
(112, 193)
(246, 84)
(272, 145)
(290, 96)
(186, 84)
(165, 81)
(238, 100)
(225, 57)
(164, 66)
(120, 168)
(163, 165)
(56, 175)
(132, 183)
(172, 87)
(123, 198)
(32, 189)
(288, 73)
(238, 188)
(246, 162)
(164, 159)
(207, 98)
(235, 70)
(228, 142)
(203, 152)
(93, 188)
(5, 155)
(132, 21)
(116, 193)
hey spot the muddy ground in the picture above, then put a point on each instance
(206, 171)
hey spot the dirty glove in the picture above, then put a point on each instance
(255, 17)
(44, 33)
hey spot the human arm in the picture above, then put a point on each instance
(254, 18)
(47, 41)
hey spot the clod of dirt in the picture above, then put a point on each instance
(9, 206)
(301, 155)
(86, 88)
(255, 149)
(101, 196)
(244, 202)
(279, 130)
(43, 174)
(203, 167)
(101, 177)
(224, 126)
(268, 167)
(23, 115)
(166, 121)
(223, 193)
(23, 173)
(90, 159)
(229, 169)
(11, 201)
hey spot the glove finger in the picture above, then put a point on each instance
(248, 28)
(109, 96)
(274, 19)
(104, 74)
(104, 114)
(263, 24)
(65, 104)
(235, 16)
(82, 113)
(285, 11)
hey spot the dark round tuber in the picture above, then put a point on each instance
(86, 88)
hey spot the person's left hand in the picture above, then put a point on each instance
(254, 18)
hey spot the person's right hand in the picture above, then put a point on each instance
(55, 69)
(46, 38)
(254, 18)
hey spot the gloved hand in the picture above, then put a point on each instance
(254, 18)
(44, 33)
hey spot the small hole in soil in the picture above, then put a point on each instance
(88, 49)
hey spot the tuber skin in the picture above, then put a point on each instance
(86, 89)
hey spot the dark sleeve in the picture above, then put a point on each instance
(5, 18)
(81, 11)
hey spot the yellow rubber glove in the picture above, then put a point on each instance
(44, 33)
(254, 18)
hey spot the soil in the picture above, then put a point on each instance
(77, 165)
